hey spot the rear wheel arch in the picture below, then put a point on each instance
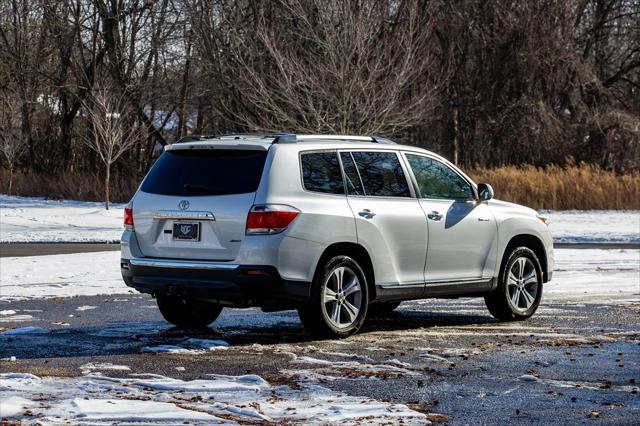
(531, 242)
(357, 253)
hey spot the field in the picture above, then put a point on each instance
(582, 187)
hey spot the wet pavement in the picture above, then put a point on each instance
(570, 363)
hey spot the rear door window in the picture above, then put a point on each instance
(382, 174)
(196, 172)
(321, 172)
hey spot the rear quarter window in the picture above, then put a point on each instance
(196, 172)
(321, 172)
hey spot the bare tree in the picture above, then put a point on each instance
(112, 129)
(12, 144)
(351, 67)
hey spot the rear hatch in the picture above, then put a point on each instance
(193, 204)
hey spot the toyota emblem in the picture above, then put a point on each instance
(183, 205)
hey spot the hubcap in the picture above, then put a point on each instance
(342, 297)
(522, 284)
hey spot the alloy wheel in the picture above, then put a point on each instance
(342, 297)
(522, 284)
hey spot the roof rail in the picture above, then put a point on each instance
(194, 138)
(281, 138)
(293, 138)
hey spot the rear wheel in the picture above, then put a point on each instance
(188, 313)
(519, 289)
(339, 298)
(382, 309)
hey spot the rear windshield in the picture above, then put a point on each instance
(205, 172)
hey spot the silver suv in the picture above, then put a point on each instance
(337, 227)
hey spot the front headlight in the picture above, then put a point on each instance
(543, 219)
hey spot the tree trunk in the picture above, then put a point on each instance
(456, 136)
(10, 179)
(107, 177)
(182, 110)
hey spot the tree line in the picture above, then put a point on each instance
(486, 83)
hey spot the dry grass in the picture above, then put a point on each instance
(581, 187)
(80, 186)
(553, 187)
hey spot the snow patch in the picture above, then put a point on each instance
(24, 330)
(101, 366)
(14, 406)
(16, 318)
(191, 345)
(154, 399)
(165, 349)
(88, 410)
(206, 344)
(85, 308)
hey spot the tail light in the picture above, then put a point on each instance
(270, 218)
(128, 218)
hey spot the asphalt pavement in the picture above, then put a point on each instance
(566, 365)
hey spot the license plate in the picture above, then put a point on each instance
(186, 231)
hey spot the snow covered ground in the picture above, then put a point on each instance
(61, 275)
(582, 275)
(155, 399)
(29, 219)
(593, 274)
(595, 226)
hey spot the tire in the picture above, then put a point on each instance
(519, 287)
(330, 312)
(382, 309)
(187, 313)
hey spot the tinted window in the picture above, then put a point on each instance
(321, 172)
(354, 185)
(205, 172)
(381, 174)
(437, 180)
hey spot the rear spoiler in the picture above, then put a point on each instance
(209, 144)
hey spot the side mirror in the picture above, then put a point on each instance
(485, 192)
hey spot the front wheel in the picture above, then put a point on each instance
(339, 298)
(519, 289)
(188, 313)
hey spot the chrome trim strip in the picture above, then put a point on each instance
(434, 283)
(461, 281)
(402, 285)
(181, 214)
(182, 264)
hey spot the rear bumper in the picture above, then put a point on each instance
(227, 284)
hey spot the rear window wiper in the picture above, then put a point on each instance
(199, 188)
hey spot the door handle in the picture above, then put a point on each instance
(434, 215)
(367, 214)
